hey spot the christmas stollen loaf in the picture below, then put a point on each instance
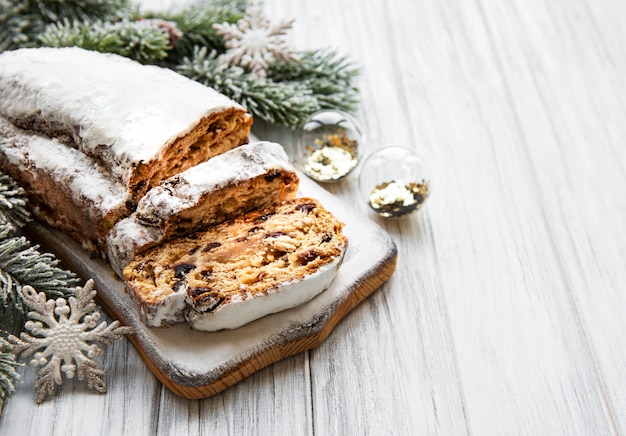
(143, 123)
(230, 274)
(149, 167)
(66, 188)
(249, 177)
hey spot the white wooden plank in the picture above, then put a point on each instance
(579, 87)
(505, 313)
(491, 264)
(390, 366)
(523, 356)
(271, 401)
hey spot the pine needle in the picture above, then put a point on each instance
(132, 39)
(21, 264)
(330, 77)
(8, 373)
(196, 21)
(12, 203)
(21, 21)
(287, 103)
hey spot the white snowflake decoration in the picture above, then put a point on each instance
(254, 43)
(65, 332)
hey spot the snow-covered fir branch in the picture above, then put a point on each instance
(330, 77)
(8, 373)
(22, 263)
(196, 21)
(139, 40)
(21, 21)
(12, 203)
(286, 103)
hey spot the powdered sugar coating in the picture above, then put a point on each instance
(115, 108)
(148, 224)
(125, 238)
(89, 184)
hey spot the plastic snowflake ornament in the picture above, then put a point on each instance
(65, 332)
(254, 43)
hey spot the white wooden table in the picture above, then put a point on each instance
(507, 311)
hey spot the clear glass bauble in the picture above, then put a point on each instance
(395, 181)
(327, 145)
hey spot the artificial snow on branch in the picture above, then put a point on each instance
(21, 263)
(8, 372)
(287, 103)
(142, 40)
(227, 44)
(290, 93)
(21, 21)
(13, 210)
(196, 21)
(330, 77)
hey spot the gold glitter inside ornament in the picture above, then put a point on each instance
(328, 146)
(395, 181)
(393, 199)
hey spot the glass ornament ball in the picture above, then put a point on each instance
(327, 145)
(395, 181)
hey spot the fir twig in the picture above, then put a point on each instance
(78, 10)
(287, 103)
(21, 21)
(12, 203)
(329, 76)
(8, 373)
(21, 264)
(196, 23)
(14, 24)
(133, 39)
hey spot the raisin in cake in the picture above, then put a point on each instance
(66, 188)
(238, 271)
(249, 177)
(144, 123)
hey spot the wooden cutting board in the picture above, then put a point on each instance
(197, 364)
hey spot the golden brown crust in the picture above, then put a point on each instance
(213, 135)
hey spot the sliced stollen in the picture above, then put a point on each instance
(252, 176)
(231, 274)
(67, 189)
(143, 123)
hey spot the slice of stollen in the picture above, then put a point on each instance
(249, 177)
(231, 274)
